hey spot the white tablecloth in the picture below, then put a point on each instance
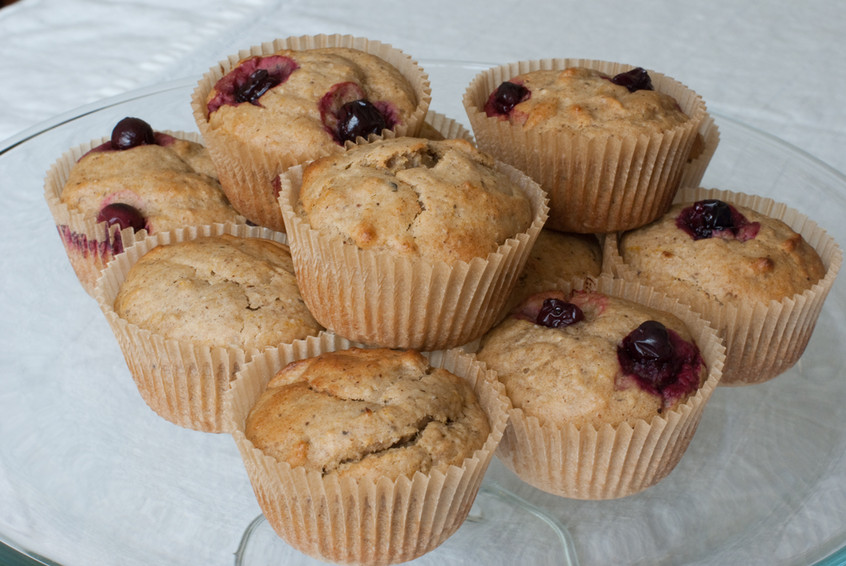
(775, 65)
(779, 66)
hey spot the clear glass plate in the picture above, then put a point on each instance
(90, 475)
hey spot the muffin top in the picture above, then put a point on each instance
(578, 99)
(713, 250)
(439, 200)
(589, 358)
(557, 255)
(368, 413)
(310, 101)
(153, 181)
(219, 291)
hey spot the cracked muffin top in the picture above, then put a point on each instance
(220, 291)
(713, 250)
(368, 412)
(440, 200)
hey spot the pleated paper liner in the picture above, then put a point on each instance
(183, 382)
(763, 340)
(89, 244)
(370, 521)
(600, 181)
(613, 461)
(704, 148)
(247, 171)
(380, 298)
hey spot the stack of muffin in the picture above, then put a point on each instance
(373, 301)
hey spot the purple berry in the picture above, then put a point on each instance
(555, 313)
(122, 214)
(506, 96)
(259, 82)
(132, 132)
(252, 78)
(714, 218)
(359, 118)
(636, 79)
(649, 353)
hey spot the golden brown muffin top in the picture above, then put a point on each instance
(368, 413)
(172, 185)
(583, 100)
(766, 260)
(572, 374)
(440, 200)
(221, 291)
(298, 115)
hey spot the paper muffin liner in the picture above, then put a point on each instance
(763, 340)
(382, 299)
(367, 521)
(597, 182)
(89, 244)
(703, 151)
(181, 381)
(613, 461)
(247, 173)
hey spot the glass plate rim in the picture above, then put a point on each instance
(834, 558)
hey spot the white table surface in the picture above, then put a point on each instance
(776, 65)
(779, 66)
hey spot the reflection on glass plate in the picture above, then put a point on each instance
(90, 475)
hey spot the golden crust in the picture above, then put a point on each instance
(172, 186)
(217, 291)
(368, 412)
(288, 118)
(775, 264)
(581, 99)
(441, 200)
(571, 375)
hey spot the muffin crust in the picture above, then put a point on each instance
(571, 374)
(222, 291)
(776, 263)
(366, 412)
(441, 200)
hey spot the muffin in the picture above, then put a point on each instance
(391, 466)
(757, 270)
(608, 382)
(607, 142)
(190, 307)
(106, 194)
(557, 255)
(408, 242)
(293, 100)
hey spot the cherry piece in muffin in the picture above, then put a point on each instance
(713, 218)
(251, 79)
(347, 114)
(506, 96)
(634, 80)
(660, 360)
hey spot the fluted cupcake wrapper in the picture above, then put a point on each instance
(182, 382)
(246, 172)
(704, 149)
(597, 182)
(613, 461)
(366, 521)
(763, 340)
(380, 298)
(89, 244)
